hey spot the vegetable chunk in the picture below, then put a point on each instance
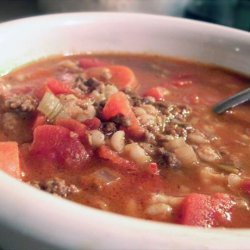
(59, 144)
(123, 77)
(9, 159)
(118, 104)
(157, 92)
(206, 211)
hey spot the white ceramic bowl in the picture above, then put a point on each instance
(32, 219)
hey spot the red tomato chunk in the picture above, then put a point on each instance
(207, 211)
(9, 159)
(60, 145)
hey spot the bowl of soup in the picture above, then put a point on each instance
(108, 139)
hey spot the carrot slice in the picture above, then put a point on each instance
(123, 77)
(157, 92)
(118, 104)
(9, 159)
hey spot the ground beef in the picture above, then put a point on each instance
(166, 159)
(109, 128)
(121, 120)
(86, 86)
(79, 84)
(16, 126)
(175, 130)
(2, 104)
(92, 84)
(23, 103)
(55, 186)
(173, 112)
(99, 107)
(150, 137)
(180, 112)
(136, 100)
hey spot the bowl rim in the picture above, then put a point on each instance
(43, 199)
(91, 16)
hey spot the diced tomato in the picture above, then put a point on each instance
(206, 211)
(74, 126)
(245, 186)
(40, 120)
(9, 159)
(54, 86)
(93, 123)
(106, 153)
(157, 92)
(88, 62)
(39, 92)
(153, 168)
(57, 87)
(118, 104)
(55, 143)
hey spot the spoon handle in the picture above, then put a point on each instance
(232, 101)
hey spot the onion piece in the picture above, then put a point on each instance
(50, 106)
(101, 178)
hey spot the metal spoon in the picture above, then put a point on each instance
(232, 101)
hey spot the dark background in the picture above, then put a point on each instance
(234, 13)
